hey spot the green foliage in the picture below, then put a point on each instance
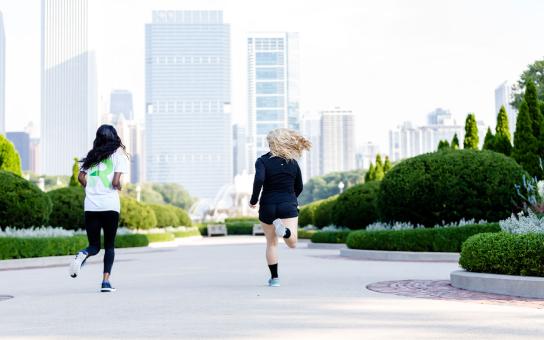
(371, 173)
(183, 217)
(525, 150)
(249, 219)
(306, 216)
(321, 187)
(240, 228)
(356, 207)
(174, 194)
(330, 237)
(131, 240)
(455, 142)
(323, 212)
(447, 186)
(443, 145)
(166, 215)
(22, 204)
(378, 170)
(9, 157)
(503, 253)
(75, 172)
(160, 237)
(135, 215)
(305, 234)
(502, 127)
(187, 233)
(423, 239)
(471, 133)
(50, 182)
(534, 73)
(387, 165)
(489, 140)
(531, 98)
(67, 209)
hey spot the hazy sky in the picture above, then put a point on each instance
(388, 61)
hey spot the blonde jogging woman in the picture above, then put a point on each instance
(279, 176)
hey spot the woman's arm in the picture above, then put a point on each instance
(298, 182)
(257, 182)
(82, 178)
(116, 182)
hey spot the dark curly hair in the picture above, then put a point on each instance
(105, 144)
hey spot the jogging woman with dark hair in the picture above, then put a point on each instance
(100, 175)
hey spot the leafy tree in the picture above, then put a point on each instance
(525, 150)
(370, 173)
(443, 145)
(471, 133)
(489, 140)
(75, 172)
(387, 165)
(174, 194)
(534, 72)
(9, 157)
(455, 142)
(321, 187)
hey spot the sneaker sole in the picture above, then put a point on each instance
(107, 290)
(74, 269)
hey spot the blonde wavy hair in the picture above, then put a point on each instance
(287, 144)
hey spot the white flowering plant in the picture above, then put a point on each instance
(523, 223)
(39, 232)
(407, 226)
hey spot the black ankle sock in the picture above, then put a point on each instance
(287, 233)
(273, 270)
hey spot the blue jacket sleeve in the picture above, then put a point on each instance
(258, 181)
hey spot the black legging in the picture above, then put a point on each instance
(107, 220)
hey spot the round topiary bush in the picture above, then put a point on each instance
(9, 157)
(306, 216)
(22, 203)
(323, 211)
(357, 207)
(448, 186)
(67, 208)
(166, 215)
(135, 215)
(183, 217)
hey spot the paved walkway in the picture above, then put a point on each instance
(214, 288)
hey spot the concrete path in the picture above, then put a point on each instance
(215, 288)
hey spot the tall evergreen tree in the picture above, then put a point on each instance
(387, 165)
(502, 142)
(471, 133)
(370, 173)
(455, 142)
(378, 172)
(489, 140)
(75, 172)
(525, 150)
(443, 145)
(531, 98)
(379, 161)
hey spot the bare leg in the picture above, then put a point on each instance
(271, 243)
(292, 224)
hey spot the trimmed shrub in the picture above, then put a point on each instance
(503, 253)
(9, 157)
(422, 239)
(130, 241)
(306, 215)
(305, 234)
(240, 228)
(135, 215)
(330, 237)
(323, 211)
(67, 209)
(248, 219)
(160, 237)
(357, 207)
(187, 233)
(22, 203)
(446, 186)
(166, 215)
(183, 217)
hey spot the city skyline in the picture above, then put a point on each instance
(440, 61)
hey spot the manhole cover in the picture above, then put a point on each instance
(443, 290)
(5, 297)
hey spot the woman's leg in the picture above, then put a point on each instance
(110, 223)
(271, 243)
(292, 224)
(92, 227)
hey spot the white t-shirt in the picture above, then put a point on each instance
(99, 192)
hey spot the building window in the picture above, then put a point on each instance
(269, 73)
(270, 88)
(269, 58)
(269, 101)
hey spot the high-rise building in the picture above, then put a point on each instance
(34, 161)
(2, 76)
(273, 96)
(337, 141)
(503, 94)
(21, 141)
(310, 163)
(121, 103)
(365, 155)
(69, 113)
(239, 150)
(188, 119)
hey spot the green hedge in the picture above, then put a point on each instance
(503, 253)
(67, 209)
(306, 215)
(235, 228)
(25, 247)
(187, 233)
(166, 215)
(160, 237)
(305, 234)
(135, 215)
(248, 219)
(447, 186)
(183, 217)
(323, 211)
(330, 237)
(425, 239)
(357, 207)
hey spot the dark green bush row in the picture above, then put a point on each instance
(357, 207)
(330, 237)
(503, 253)
(305, 234)
(187, 233)
(25, 247)
(160, 237)
(248, 219)
(235, 228)
(426, 239)
(67, 209)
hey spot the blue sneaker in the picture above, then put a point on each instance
(274, 282)
(106, 287)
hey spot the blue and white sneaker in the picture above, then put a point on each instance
(75, 265)
(274, 282)
(106, 287)
(279, 227)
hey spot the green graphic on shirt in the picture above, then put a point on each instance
(102, 174)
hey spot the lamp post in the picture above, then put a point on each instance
(341, 186)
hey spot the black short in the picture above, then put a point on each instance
(269, 212)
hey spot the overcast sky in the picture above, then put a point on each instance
(388, 61)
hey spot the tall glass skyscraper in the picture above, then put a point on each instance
(272, 87)
(188, 120)
(2, 77)
(69, 112)
(121, 103)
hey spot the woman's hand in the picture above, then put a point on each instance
(252, 206)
